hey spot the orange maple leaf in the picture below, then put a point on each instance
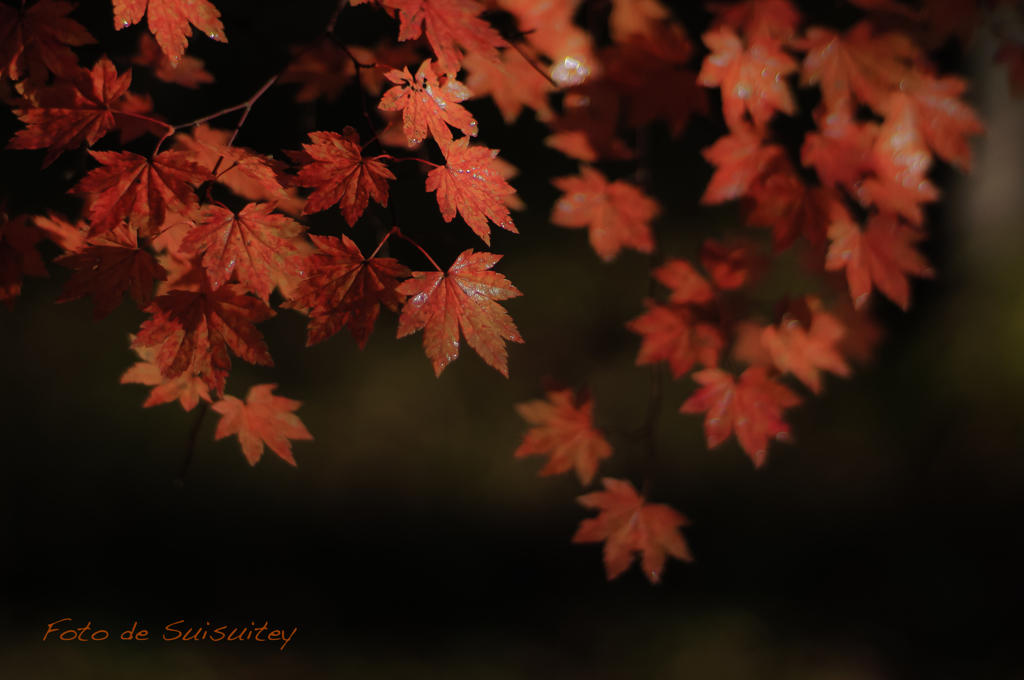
(752, 78)
(882, 256)
(107, 267)
(340, 174)
(944, 118)
(617, 213)
(739, 158)
(189, 71)
(448, 23)
(775, 19)
(731, 265)
(628, 524)
(686, 284)
(140, 191)
(782, 202)
(187, 388)
(344, 289)
(248, 244)
(563, 428)
(465, 296)
(195, 329)
(72, 112)
(805, 352)
(70, 237)
(841, 151)
(751, 407)
(169, 21)
(428, 106)
(512, 83)
(673, 334)
(471, 185)
(262, 418)
(18, 256)
(38, 40)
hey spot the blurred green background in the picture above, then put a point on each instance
(409, 544)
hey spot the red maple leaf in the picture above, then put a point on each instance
(448, 23)
(109, 266)
(731, 265)
(617, 213)
(945, 119)
(751, 407)
(262, 418)
(739, 158)
(339, 173)
(37, 40)
(805, 352)
(140, 191)
(752, 78)
(881, 256)
(563, 428)
(857, 66)
(18, 256)
(342, 289)
(841, 151)
(511, 82)
(901, 161)
(672, 334)
(471, 185)
(187, 388)
(169, 21)
(72, 112)
(775, 19)
(782, 202)
(628, 524)
(465, 296)
(70, 237)
(427, 105)
(267, 173)
(248, 244)
(194, 331)
(686, 284)
(189, 72)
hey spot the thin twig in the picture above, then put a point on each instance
(193, 436)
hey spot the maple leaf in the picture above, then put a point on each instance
(189, 71)
(448, 23)
(628, 524)
(739, 158)
(471, 185)
(881, 257)
(262, 418)
(512, 83)
(588, 127)
(901, 161)
(187, 388)
(841, 152)
(195, 329)
(255, 178)
(169, 21)
(686, 284)
(18, 256)
(72, 112)
(342, 289)
(672, 334)
(751, 407)
(248, 244)
(784, 203)
(140, 191)
(807, 352)
(465, 296)
(134, 117)
(617, 213)
(109, 266)
(563, 428)
(731, 265)
(944, 119)
(428, 106)
(752, 79)
(340, 174)
(775, 19)
(857, 66)
(38, 39)
(70, 237)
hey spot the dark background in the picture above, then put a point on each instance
(409, 544)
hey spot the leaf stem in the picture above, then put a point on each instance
(193, 436)
(398, 232)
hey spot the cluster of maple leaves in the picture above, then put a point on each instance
(851, 199)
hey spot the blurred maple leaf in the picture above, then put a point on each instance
(563, 428)
(189, 71)
(187, 388)
(628, 524)
(448, 23)
(18, 256)
(38, 40)
(262, 418)
(169, 21)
